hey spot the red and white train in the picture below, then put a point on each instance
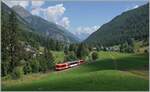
(67, 65)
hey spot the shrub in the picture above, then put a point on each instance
(8, 76)
(35, 65)
(82, 51)
(43, 66)
(71, 56)
(27, 68)
(146, 51)
(17, 72)
(94, 55)
(50, 60)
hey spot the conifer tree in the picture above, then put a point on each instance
(13, 45)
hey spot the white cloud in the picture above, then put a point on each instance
(133, 7)
(88, 30)
(11, 3)
(64, 22)
(36, 7)
(37, 3)
(53, 14)
(136, 6)
(84, 32)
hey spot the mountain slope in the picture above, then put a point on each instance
(128, 25)
(25, 30)
(46, 28)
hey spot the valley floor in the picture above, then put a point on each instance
(113, 71)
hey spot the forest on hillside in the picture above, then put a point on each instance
(125, 29)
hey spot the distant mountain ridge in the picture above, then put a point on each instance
(130, 24)
(21, 11)
(45, 27)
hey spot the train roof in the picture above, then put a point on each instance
(70, 62)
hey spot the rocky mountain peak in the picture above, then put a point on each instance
(21, 11)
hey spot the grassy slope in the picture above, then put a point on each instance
(100, 75)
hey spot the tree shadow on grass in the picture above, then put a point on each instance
(123, 63)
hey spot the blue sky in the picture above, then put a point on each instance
(79, 17)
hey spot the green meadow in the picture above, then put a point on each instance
(112, 71)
